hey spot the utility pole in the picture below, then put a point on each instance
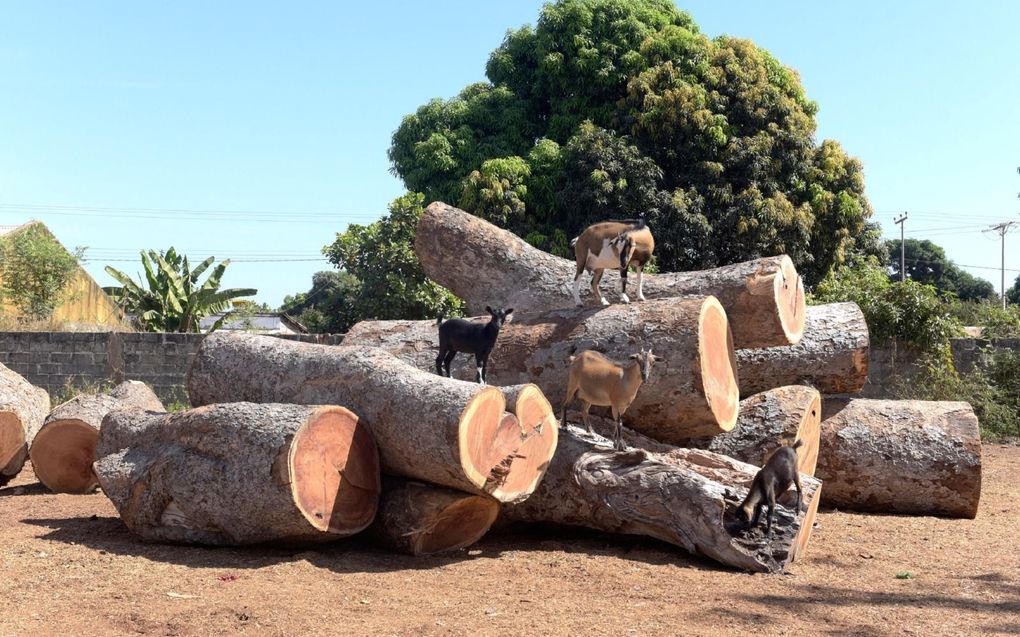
(903, 246)
(1003, 228)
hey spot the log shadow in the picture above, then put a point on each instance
(524, 536)
(33, 488)
(108, 534)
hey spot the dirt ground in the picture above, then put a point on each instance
(70, 567)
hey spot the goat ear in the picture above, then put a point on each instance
(634, 356)
(658, 359)
(488, 309)
(510, 311)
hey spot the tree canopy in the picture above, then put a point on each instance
(386, 280)
(926, 262)
(35, 271)
(611, 108)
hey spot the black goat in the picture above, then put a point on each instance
(458, 335)
(779, 472)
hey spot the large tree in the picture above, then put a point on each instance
(388, 281)
(610, 108)
(35, 271)
(926, 262)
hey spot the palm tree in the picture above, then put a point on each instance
(174, 301)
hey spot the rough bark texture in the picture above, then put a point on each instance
(485, 265)
(240, 473)
(769, 420)
(65, 447)
(23, 406)
(424, 519)
(901, 456)
(687, 497)
(832, 356)
(434, 429)
(693, 392)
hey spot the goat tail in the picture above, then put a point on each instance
(573, 242)
(797, 444)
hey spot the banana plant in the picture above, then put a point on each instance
(170, 298)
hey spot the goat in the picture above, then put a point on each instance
(457, 335)
(612, 244)
(596, 380)
(779, 472)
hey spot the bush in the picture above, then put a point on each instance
(908, 312)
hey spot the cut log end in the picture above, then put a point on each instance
(789, 291)
(536, 436)
(807, 524)
(459, 525)
(809, 434)
(12, 437)
(333, 468)
(504, 454)
(718, 367)
(62, 455)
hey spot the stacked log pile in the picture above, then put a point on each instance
(65, 447)
(291, 441)
(23, 407)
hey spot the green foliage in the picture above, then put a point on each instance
(1013, 293)
(994, 321)
(497, 191)
(170, 298)
(926, 262)
(327, 307)
(391, 283)
(909, 312)
(635, 111)
(992, 388)
(35, 271)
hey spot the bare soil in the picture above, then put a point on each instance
(70, 567)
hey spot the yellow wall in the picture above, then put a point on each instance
(84, 303)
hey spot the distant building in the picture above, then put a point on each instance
(85, 305)
(260, 323)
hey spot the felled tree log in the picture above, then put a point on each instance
(23, 406)
(424, 519)
(240, 473)
(901, 456)
(65, 447)
(693, 392)
(687, 497)
(485, 265)
(769, 420)
(832, 356)
(430, 428)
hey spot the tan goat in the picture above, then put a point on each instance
(596, 380)
(612, 244)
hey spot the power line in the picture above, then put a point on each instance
(1003, 229)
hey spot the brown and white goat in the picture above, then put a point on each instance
(612, 244)
(596, 380)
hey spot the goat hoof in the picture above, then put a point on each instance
(604, 302)
(641, 298)
(624, 298)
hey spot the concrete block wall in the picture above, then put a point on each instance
(58, 360)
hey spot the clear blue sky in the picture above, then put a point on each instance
(286, 110)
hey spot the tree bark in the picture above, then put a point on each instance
(484, 264)
(687, 497)
(693, 392)
(240, 473)
(438, 430)
(65, 447)
(901, 456)
(424, 519)
(23, 406)
(832, 356)
(769, 420)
